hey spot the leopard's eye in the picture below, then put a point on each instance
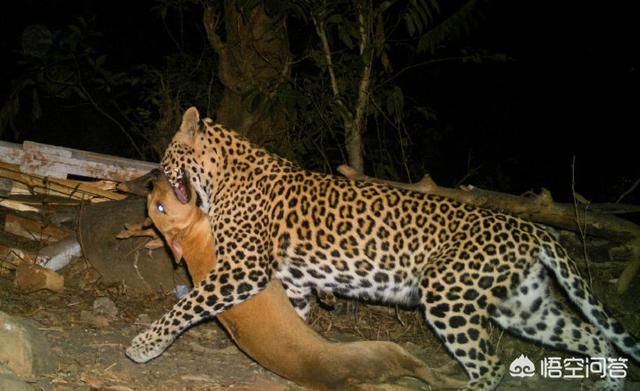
(160, 208)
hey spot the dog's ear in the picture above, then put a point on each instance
(175, 244)
(154, 174)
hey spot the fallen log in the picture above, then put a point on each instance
(541, 209)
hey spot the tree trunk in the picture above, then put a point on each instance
(254, 59)
(353, 146)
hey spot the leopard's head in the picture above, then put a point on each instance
(179, 158)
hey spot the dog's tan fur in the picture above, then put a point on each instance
(267, 328)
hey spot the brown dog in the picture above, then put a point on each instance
(267, 328)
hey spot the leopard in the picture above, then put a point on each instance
(268, 329)
(464, 267)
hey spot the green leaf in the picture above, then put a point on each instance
(100, 61)
(334, 19)
(382, 7)
(395, 102)
(408, 21)
(255, 102)
(245, 7)
(36, 40)
(345, 37)
(36, 109)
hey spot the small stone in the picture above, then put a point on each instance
(100, 321)
(97, 321)
(105, 306)
(72, 369)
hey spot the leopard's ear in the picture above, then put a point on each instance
(189, 126)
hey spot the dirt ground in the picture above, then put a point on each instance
(88, 349)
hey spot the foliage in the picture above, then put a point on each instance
(144, 102)
(406, 37)
(64, 67)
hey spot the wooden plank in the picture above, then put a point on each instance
(60, 187)
(33, 230)
(17, 205)
(11, 153)
(48, 160)
(58, 162)
(33, 278)
(42, 201)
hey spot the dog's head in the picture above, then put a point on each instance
(170, 215)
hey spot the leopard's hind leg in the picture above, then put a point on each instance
(454, 313)
(298, 295)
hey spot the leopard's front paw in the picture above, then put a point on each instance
(146, 346)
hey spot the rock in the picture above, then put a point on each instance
(23, 348)
(9, 382)
(5, 370)
(33, 278)
(106, 307)
(97, 321)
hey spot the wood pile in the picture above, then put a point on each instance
(40, 204)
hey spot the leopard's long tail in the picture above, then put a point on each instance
(580, 293)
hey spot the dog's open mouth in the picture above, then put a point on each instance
(181, 188)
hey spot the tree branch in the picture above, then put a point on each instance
(326, 51)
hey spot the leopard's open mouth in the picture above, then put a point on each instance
(181, 187)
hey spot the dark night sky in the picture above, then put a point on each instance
(573, 89)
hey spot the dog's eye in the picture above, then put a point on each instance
(160, 208)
